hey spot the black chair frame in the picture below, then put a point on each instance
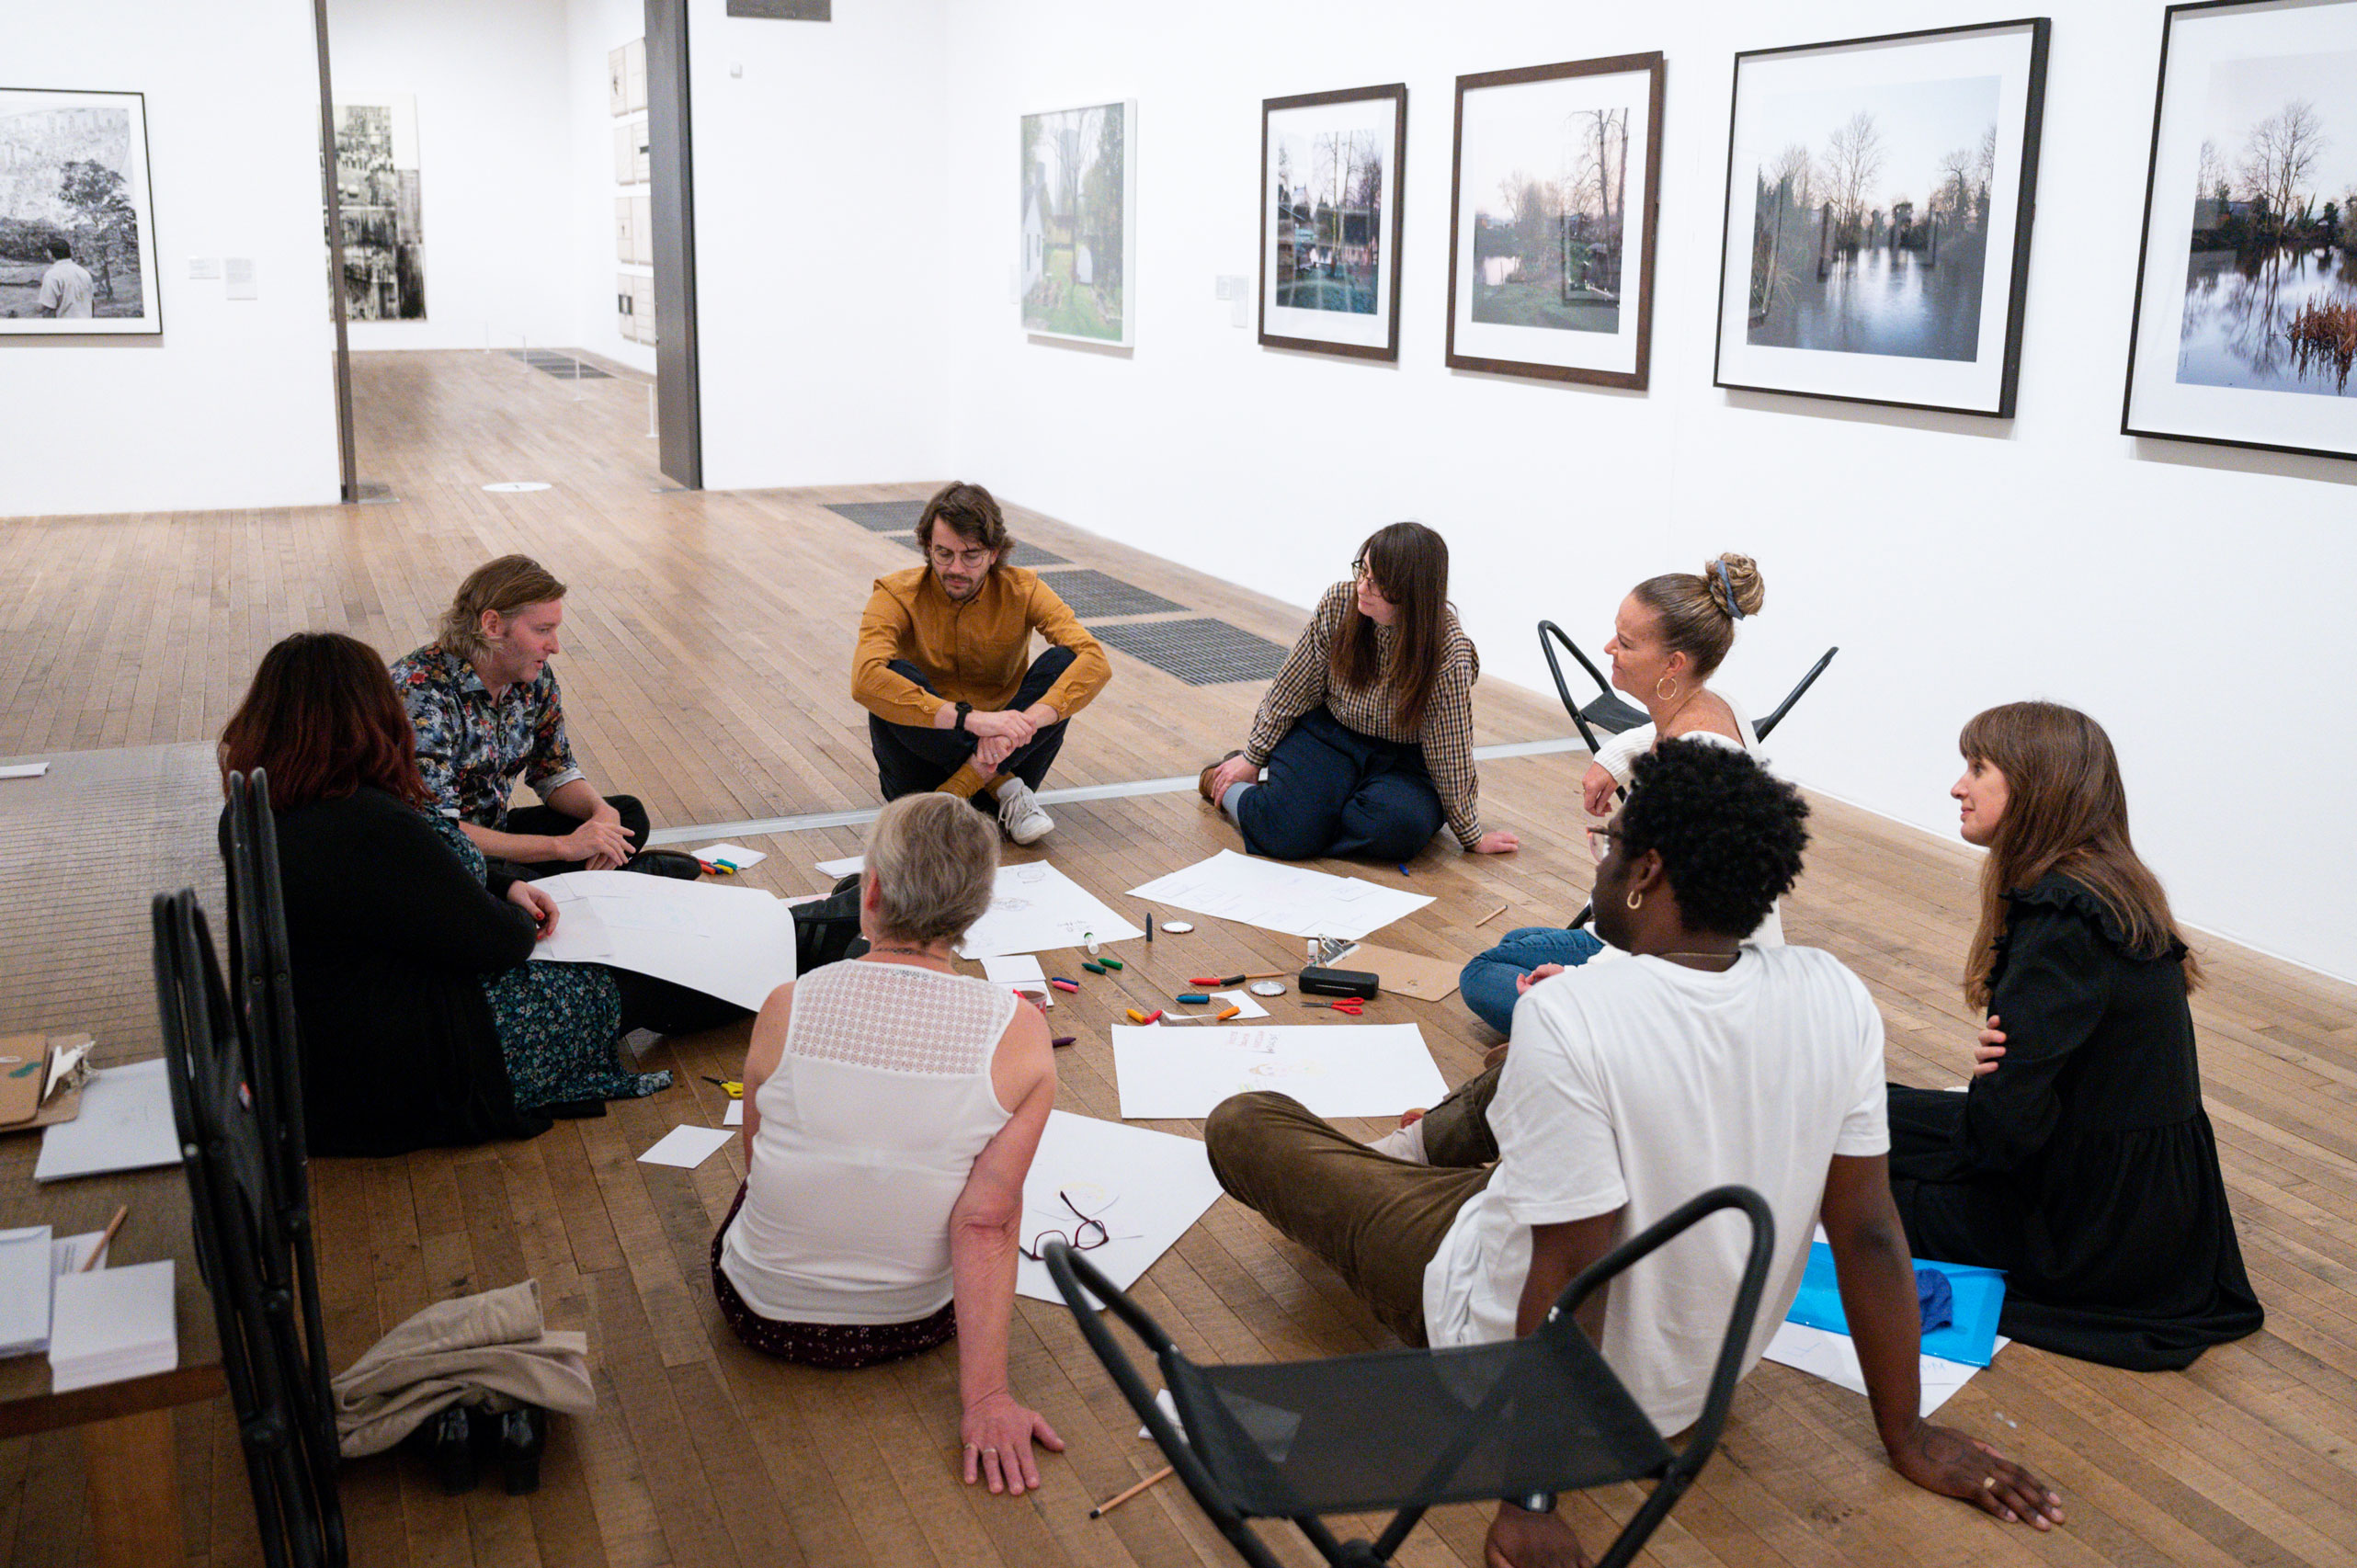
(1078, 1280)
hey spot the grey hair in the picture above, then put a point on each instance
(933, 860)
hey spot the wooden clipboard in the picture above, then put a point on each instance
(21, 1107)
(1404, 975)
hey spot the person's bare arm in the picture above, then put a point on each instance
(997, 1430)
(1520, 1538)
(761, 1059)
(1878, 1295)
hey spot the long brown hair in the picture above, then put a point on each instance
(1409, 565)
(324, 719)
(2064, 811)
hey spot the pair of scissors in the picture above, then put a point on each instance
(1354, 1006)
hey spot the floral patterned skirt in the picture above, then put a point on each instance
(557, 1026)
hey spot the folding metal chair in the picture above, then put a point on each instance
(234, 1210)
(1409, 1429)
(1607, 715)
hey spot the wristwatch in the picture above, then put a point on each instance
(1536, 1502)
(963, 709)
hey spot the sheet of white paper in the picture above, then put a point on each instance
(1035, 907)
(734, 1115)
(1281, 897)
(125, 1124)
(1353, 1070)
(68, 1254)
(736, 943)
(24, 770)
(1147, 1187)
(687, 1146)
(843, 867)
(1821, 1353)
(1013, 968)
(113, 1324)
(26, 1272)
(735, 855)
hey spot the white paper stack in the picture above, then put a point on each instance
(113, 1324)
(25, 1273)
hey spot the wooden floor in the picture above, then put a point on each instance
(707, 641)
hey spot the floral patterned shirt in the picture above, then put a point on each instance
(471, 744)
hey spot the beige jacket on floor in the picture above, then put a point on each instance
(461, 1351)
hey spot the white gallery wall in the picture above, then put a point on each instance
(233, 405)
(2195, 599)
(493, 87)
(828, 264)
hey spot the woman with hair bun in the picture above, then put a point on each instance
(2080, 1161)
(1668, 637)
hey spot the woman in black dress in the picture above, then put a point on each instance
(2083, 1165)
(422, 1021)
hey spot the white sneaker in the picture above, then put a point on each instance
(1019, 813)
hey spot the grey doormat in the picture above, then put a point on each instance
(1022, 555)
(1093, 593)
(1200, 652)
(880, 516)
(564, 365)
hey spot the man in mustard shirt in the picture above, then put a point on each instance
(954, 701)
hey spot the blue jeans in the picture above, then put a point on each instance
(1488, 981)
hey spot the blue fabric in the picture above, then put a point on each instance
(1979, 1296)
(1331, 790)
(1488, 981)
(1937, 1299)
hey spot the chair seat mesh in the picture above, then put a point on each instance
(1413, 1427)
(1612, 715)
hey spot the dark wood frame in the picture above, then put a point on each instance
(2143, 248)
(2018, 286)
(1397, 92)
(1655, 66)
(147, 169)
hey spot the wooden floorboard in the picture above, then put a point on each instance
(708, 642)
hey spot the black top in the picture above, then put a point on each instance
(2083, 1166)
(389, 937)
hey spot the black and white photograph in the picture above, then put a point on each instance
(1878, 217)
(377, 193)
(1557, 169)
(76, 252)
(1330, 208)
(2251, 231)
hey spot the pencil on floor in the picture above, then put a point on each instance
(1488, 917)
(1118, 1498)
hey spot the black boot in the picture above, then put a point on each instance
(523, 1432)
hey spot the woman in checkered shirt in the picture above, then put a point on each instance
(1367, 733)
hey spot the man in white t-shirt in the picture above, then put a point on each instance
(67, 286)
(1630, 1088)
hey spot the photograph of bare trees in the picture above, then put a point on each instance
(1879, 197)
(1870, 225)
(1329, 221)
(377, 192)
(2270, 300)
(74, 256)
(2245, 323)
(1076, 186)
(1551, 244)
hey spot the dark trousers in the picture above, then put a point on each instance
(548, 820)
(1331, 790)
(912, 759)
(1376, 1220)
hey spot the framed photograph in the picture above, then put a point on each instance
(1550, 230)
(1079, 234)
(77, 228)
(1331, 168)
(1878, 204)
(377, 195)
(2245, 320)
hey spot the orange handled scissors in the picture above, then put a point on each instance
(1354, 1006)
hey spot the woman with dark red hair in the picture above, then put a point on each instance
(422, 1020)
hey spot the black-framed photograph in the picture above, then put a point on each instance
(1878, 205)
(1554, 185)
(1330, 176)
(77, 225)
(2246, 320)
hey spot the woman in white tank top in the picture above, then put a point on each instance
(891, 1108)
(1668, 637)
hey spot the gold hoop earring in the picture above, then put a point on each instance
(1657, 695)
(1635, 899)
